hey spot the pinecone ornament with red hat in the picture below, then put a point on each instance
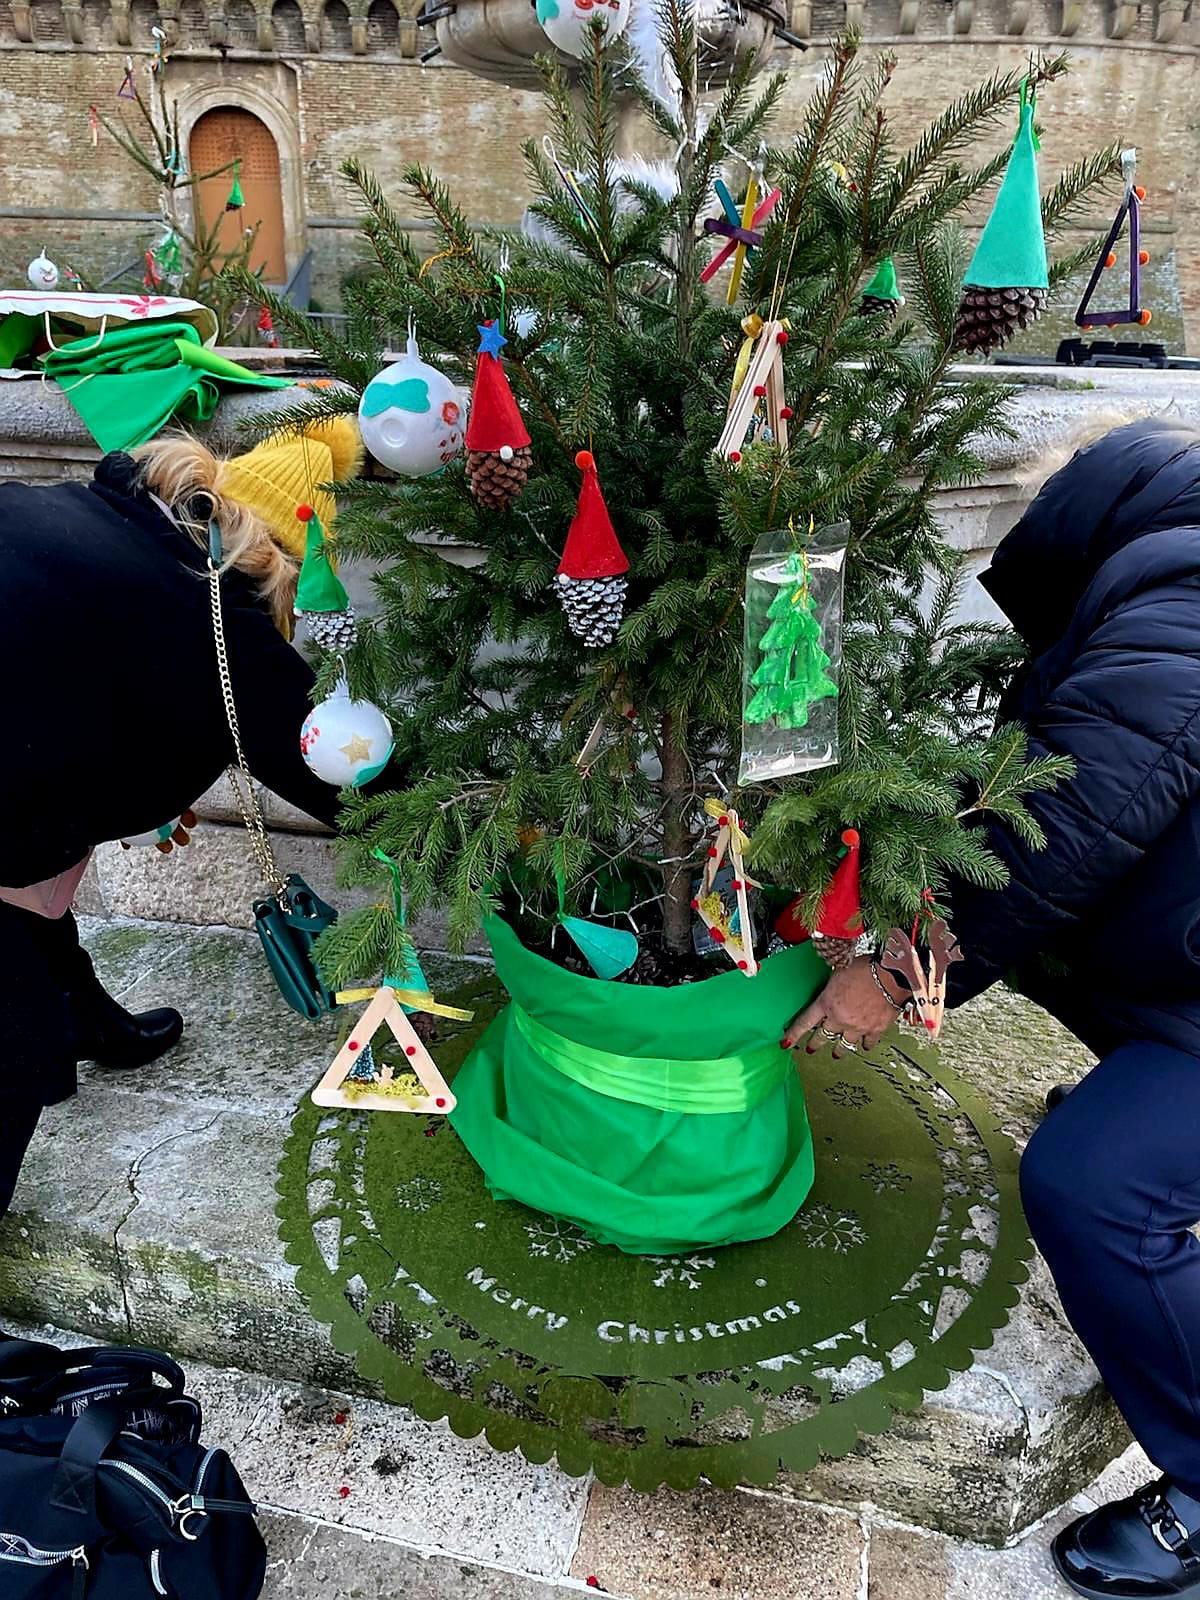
(590, 580)
(840, 923)
(498, 453)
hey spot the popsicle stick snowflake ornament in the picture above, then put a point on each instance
(737, 942)
(1129, 211)
(763, 384)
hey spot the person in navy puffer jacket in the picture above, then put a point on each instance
(1101, 578)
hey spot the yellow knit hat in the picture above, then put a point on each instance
(285, 472)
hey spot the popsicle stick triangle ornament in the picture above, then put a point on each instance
(385, 1094)
(1128, 213)
(762, 384)
(730, 841)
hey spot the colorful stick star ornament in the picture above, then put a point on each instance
(321, 597)
(590, 580)
(740, 230)
(1129, 211)
(498, 453)
(346, 742)
(1007, 284)
(411, 416)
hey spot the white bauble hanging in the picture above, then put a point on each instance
(42, 273)
(565, 22)
(156, 836)
(412, 417)
(346, 742)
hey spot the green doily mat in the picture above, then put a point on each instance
(726, 1364)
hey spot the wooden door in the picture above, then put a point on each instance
(230, 134)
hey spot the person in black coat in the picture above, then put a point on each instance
(1101, 578)
(116, 721)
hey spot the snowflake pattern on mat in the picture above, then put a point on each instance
(556, 1240)
(827, 1229)
(419, 1193)
(889, 1176)
(851, 1095)
(680, 1269)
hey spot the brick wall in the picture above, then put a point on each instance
(91, 205)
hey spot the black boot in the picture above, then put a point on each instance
(112, 1037)
(1136, 1549)
(1056, 1096)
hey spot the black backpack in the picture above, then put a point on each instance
(105, 1491)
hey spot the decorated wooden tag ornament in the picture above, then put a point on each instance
(924, 988)
(731, 842)
(1129, 211)
(498, 447)
(590, 581)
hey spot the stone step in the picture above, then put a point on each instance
(146, 1212)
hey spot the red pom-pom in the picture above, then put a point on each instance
(760, 389)
(410, 1049)
(339, 1419)
(735, 456)
(736, 885)
(722, 822)
(717, 935)
(782, 336)
(304, 513)
(353, 1045)
(712, 850)
(695, 905)
(344, 1492)
(440, 1101)
(743, 966)
(593, 1581)
(584, 459)
(850, 837)
(786, 413)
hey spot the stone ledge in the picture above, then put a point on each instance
(146, 1212)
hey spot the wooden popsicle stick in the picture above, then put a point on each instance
(385, 1007)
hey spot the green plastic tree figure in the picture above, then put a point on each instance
(791, 676)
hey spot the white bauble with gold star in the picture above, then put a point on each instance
(346, 742)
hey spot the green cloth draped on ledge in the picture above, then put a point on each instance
(128, 384)
(657, 1120)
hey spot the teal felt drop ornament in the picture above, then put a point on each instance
(608, 951)
(411, 974)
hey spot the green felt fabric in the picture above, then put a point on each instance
(1011, 253)
(883, 285)
(129, 384)
(17, 335)
(647, 1180)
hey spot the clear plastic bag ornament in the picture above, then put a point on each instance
(791, 662)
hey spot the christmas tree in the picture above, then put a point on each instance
(792, 673)
(520, 747)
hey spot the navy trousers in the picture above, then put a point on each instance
(1111, 1188)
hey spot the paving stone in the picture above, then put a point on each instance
(1123, 1477)
(669, 1546)
(312, 1562)
(1025, 1572)
(903, 1565)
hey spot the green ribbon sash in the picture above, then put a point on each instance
(718, 1084)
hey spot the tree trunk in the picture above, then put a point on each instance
(678, 840)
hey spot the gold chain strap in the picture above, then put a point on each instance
(248, 802)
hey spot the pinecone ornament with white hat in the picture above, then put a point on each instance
(590, 581)
(498, 452)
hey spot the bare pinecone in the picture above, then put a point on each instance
(494, 481)
(988, 318)
(594, 607)
(332, 631)
(873, 305)
(835, 953)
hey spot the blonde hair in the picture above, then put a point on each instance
(1033, 474)
(181, 470)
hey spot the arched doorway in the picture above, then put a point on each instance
(227, 134)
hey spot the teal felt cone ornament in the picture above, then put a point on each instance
(882, 295)
(321, 597)
(236, 198)
(1007, 284)
(608, 951)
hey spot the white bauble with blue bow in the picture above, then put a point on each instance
(412, 417)
(565, 22)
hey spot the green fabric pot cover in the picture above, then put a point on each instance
(649, 1180)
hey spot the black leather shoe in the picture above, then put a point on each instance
(1136, 1549)
(112, 1037)
(1056, 1096)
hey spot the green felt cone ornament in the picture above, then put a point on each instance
(236, 198)
(321, 597)
(1007, 284)
(791, 675)
(882, 295)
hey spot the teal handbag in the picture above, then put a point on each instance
(292, 917)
